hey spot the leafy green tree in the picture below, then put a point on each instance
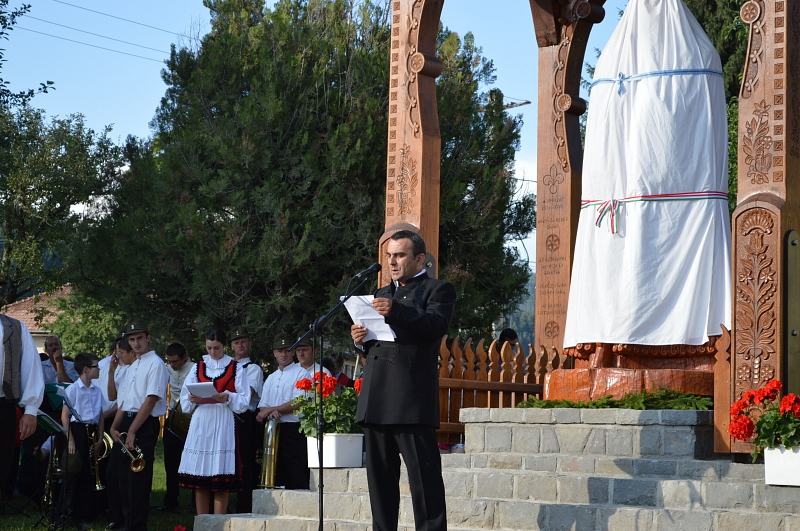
(8, 98)
(263, 189)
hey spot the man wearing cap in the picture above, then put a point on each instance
(398, 407)
(142, 399)
(250, 435)
(305, 357)
(179, 365)
(279, 390)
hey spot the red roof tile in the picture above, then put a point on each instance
(25, 309)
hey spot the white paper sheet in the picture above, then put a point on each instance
(362, 313)
(203, 389)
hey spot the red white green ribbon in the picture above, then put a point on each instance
(610, 207)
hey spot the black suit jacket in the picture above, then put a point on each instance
(401, 379)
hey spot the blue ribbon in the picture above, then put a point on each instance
(621, 78)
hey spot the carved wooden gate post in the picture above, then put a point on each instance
(414, 145)
(767, 215)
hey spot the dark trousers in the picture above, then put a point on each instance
(291, 468)
(77, 492)
(247, 429)
(173, 449)
(135, 487)
(8, 437)
(117, 463)
(417, 444)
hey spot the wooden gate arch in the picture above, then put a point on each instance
(414, 145)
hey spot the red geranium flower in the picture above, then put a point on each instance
(738, 407)
(772, 387)
(357, 385)
(749, 396)
(304, 384)
(789, 403)
(179, 528)
(741, 428)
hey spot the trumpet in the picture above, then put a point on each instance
(94, 459)
(269, 456)
(137, 461)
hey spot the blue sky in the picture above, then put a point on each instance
(122, 90)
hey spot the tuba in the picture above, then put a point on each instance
(94, 459)
(137, 461)
(270, 454)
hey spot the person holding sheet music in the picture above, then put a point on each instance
(210, 463)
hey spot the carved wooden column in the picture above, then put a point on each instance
(562, 37)
(415, 145)
(769, 190)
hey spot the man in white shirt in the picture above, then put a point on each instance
(279, 390)
(55, 368)
(22, 384)
(305, 357)
(250, 433)
(179, 365)
(141, 401)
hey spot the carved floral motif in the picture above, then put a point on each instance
(756, 285)
(553, 179)
(552, 329)
(756, 145)
(412, 104)
(559, 74)
(552, 243)
(406, 181)
(752, 14)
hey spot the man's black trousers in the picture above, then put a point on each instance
(135, 487)
(173, 450)
(417, 444)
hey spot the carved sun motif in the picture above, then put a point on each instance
(551, 329)
(750, 12)
(552, 243)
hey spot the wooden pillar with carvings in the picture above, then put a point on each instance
(768, 212)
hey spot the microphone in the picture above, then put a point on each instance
(371, 270)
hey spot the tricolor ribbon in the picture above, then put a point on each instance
(610, 207)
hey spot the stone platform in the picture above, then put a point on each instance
(561, 469)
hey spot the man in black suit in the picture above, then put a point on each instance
(399, 403)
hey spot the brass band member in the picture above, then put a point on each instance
(179, 366)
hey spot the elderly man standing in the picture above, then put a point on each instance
(55, 368)
(399, 403)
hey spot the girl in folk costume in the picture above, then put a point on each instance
(210, 462)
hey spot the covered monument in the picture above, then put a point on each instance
(651, 275)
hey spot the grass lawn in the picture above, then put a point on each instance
(157, 520)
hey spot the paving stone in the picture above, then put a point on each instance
(304, 504)
(405, 490)
(636, 418)
(267, 501)
(749, 522)
(583, 489)
(549, 441)
(690, 468)
(494, 486)
(741, 471)
(572, 440)
(619, 442)
(456, 460)
(625, 519)
(596, 444)
(648, 441)
(474, 438)
(680, 441)
(541, 463)
(525, 439)
(498, 439)
(336, 479)
(458, 484)
(570, 518)
(599, 416)
(613, 466)
(474, 414)
(348, 526)
(771, 498)
(480, 460)
(577, 464)
(288, 524)
(521, 515)
(358, 480)
(721, 495)
(685, 417)
(537, 488)
(566, 415)
(535, 415)
(471, 513)
(792, 523)
(669, 520)
(505, 461)
(640, 492)
(655, 467)
(683, 494)
(514, 415)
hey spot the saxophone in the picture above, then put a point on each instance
(270, 454)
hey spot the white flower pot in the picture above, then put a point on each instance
(339, 450)
(782, 466)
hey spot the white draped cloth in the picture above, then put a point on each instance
(649, 269)
(210, 449)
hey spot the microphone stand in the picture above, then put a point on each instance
(318, 326)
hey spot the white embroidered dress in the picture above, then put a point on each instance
(209, 455)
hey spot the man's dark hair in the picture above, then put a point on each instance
(124, 345)
(216, 333)
(329, 364)
(417, 243)
(113, 346)
(83, 360)
(176, 349)
(508, 334)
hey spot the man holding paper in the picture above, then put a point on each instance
(399, 403)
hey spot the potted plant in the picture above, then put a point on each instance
(341, 440)
(774, 426)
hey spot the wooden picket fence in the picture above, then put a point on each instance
(496, 378)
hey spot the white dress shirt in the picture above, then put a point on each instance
(281, 387)
(86, 401)
(255, 377)
(314, 369)
(31, 383)
(147, 376)
(51, 375)
(176, 379)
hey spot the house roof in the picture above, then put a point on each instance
(25, 310)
